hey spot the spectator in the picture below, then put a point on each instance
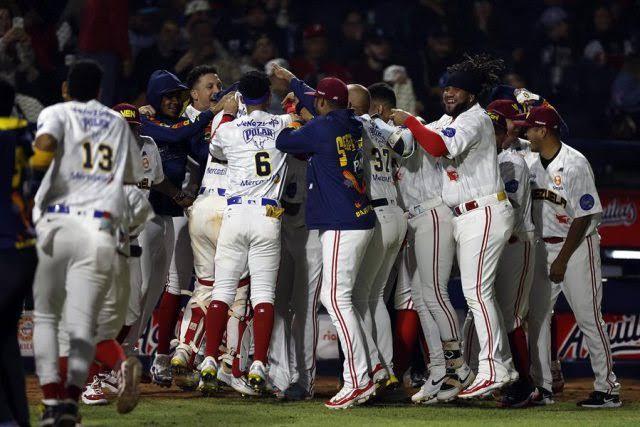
(349, 46)
(204, 48)
(16, 55)
(396, 76)
(162, 55)
(606, 38)
(315, 64)
(104, 38)
(142, 25)
(482, 33)
(439, 53)
(377, 51)
(263, 50)
(246, 30)
(625, 99)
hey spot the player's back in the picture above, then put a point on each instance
(256, 168)
(88, 170)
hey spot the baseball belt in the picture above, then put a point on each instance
(479, 203)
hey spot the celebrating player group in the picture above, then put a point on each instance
(261, 211)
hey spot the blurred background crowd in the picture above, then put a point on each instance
(581, 55)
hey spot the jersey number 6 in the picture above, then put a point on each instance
(105, 154)
(263, 166)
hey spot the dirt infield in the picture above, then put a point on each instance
(575, 389)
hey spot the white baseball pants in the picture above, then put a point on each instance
(480, 237)
(368, 294)
(74, 273)
(582, 287)
(342, 254)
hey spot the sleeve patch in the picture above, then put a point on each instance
(586, 202)
(449, 132)
(512, 186)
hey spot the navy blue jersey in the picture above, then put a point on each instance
(336, 193)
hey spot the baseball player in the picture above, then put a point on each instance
(337, 206)
(389, 233)
(78, 207)
(250, 231)
(566, 212)
(419, 183)
(472, 188)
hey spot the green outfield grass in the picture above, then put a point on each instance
(238, 412)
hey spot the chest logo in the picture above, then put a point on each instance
(587, 201)
(557, 180)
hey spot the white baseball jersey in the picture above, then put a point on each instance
(256, 169)
(151, 164)
(379, 156)
(96, 154)
(565, 190)
(515, 175)
(419, 177)
(215, 174)
(470, 170)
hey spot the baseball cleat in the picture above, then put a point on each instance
(428, 393)
(50, 412)
(257, 376)
(296, 392)
(379, 375)
(161, 370)
(392, 383)
(558, 378)
(68, 415)
(92, 393)
(208, 376)
(480, 388)
(455, 382)
(129, 390)
(109, 381)
(599, 399)
(516, 395)
(242, 386)
(348, 397)
(181, 373)
(225, 375)
(541, 396)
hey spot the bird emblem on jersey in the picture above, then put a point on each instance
(562, 219)
(452, 174)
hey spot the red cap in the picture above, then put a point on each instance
(543, 116)
(129, 112)
(508, 108)
(314, 30)
(333, 89)
(497, 118)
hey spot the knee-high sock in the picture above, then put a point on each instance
(262, 327)
(520, 352)
(110, 354)
(167, 318)
(404, 339)
(216, 321)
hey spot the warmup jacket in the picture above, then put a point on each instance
(176, 138)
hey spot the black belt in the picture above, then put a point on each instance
(376, 203)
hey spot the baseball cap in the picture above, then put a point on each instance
(507, 108)
(333, 89)
(195, 6)
(129, 112)
(497, 118)
(314, 30)
(543, 116)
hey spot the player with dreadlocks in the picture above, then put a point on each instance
(463, 138)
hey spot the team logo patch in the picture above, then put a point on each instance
(512, 186)
(449, 132)
(452, 174)
(145, 163)
(587, 201)
(557, 180)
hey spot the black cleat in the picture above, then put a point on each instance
(517, 395)
(599, 399)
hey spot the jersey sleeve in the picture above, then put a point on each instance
(580, 187)
(514, 172)
(133, 171)
(461, 135)
(216, 146)
(51, 122)
(299, 141)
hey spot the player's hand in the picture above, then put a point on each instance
(557, 270)
(147, 111)
(399, 116)
(305, 114)
(183, 199)
(231, 106)
(282, 73)
(219, 106)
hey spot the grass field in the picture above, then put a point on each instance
(159, 407)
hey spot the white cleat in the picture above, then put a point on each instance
(92, 393)
(161, 370)
(257, 376)
(109, 381)
(208, 376)
(241, 385)
(428, 393)
(129, 390)
(455, 383)
(480, 388)
(379, 375)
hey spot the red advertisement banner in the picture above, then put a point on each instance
(620, 226)
(623, 331)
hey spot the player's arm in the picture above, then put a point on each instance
(300, 89)
(574, 238)
(429, 140)
(399, 139)
(297, 139)
(179, 132)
